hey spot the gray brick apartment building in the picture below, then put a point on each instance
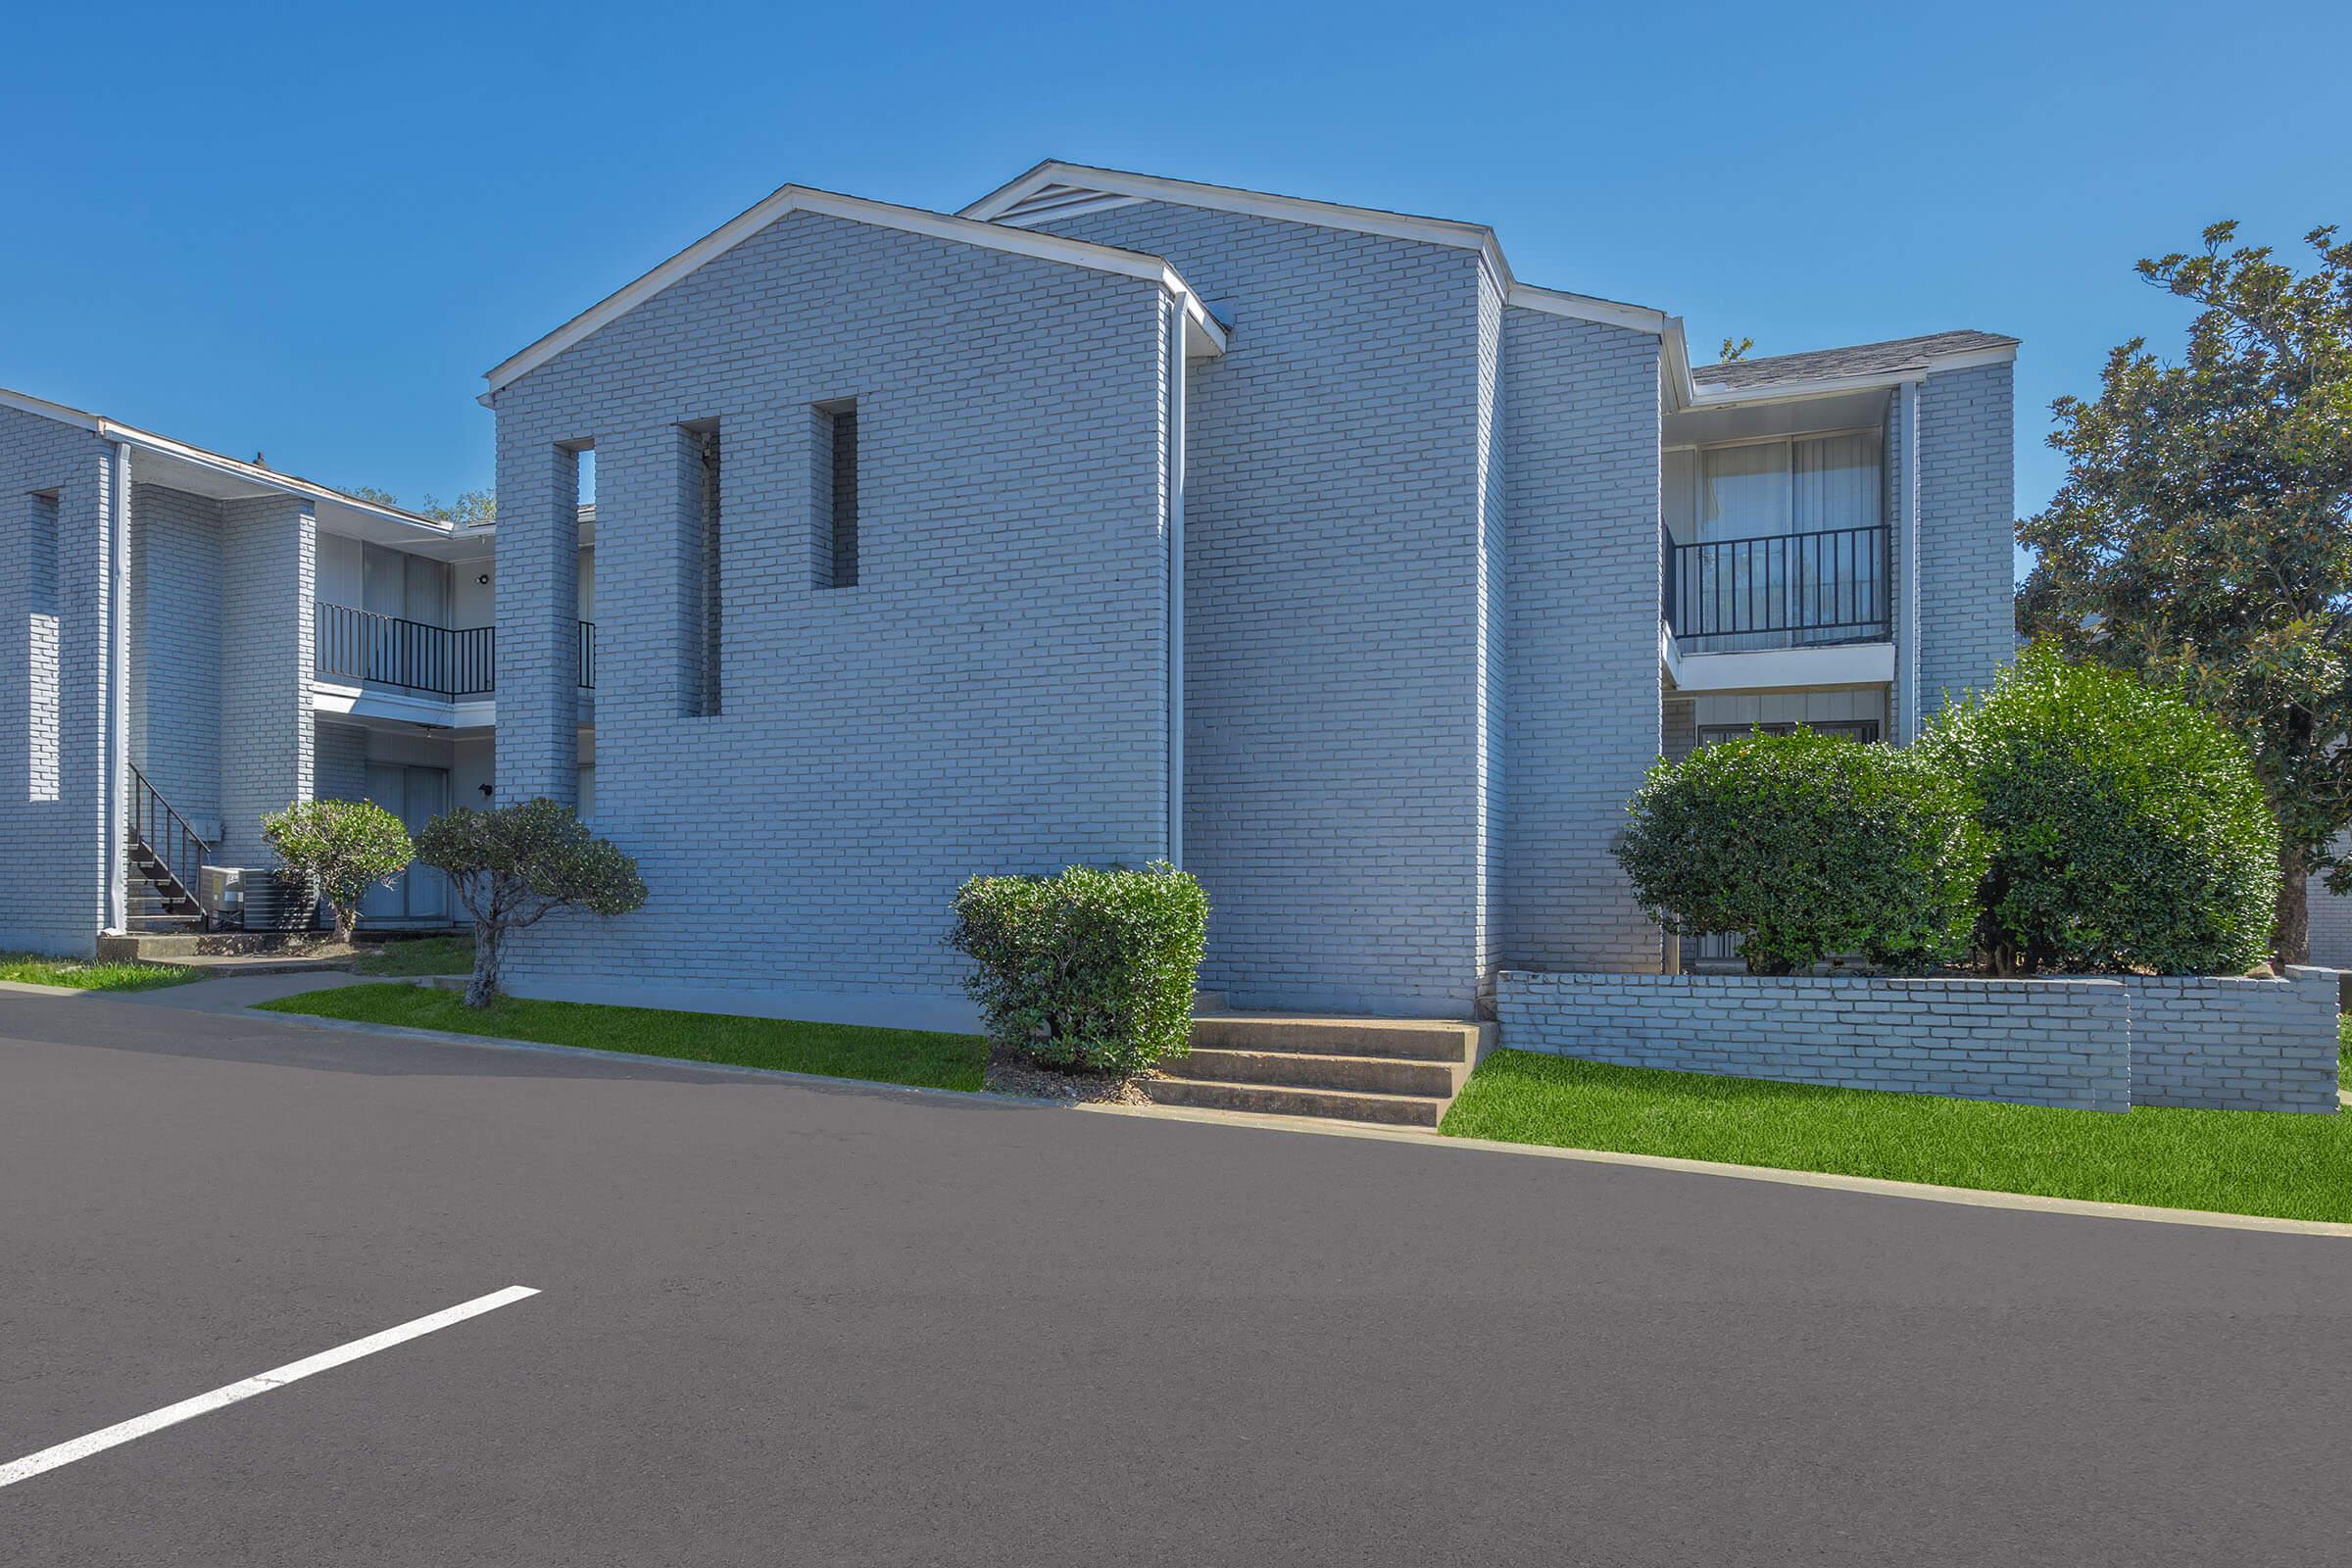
(1114, 518)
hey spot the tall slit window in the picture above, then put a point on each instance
(834, 486)
(701, 587)
(42, 669)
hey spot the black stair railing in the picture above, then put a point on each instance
(1826, 586)
(168, 839)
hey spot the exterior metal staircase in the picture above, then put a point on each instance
(164, 855)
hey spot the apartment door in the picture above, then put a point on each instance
(415, 795)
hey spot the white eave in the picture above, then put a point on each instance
(213, 462)
(1204, 336)
(1056, 189)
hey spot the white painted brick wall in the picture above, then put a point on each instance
(269, 564)
(1582, 722)
(1342, 649)
(1966, 447)
(988, 698)
(176, 655)
(52, 894)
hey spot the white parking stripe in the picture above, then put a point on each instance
(33, 1464)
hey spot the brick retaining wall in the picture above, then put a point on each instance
(2093, 1043)
(2235, 1044)
(2032, 1041)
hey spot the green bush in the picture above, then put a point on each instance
(1807, 846)
(344, 847)
(2128, 829)
(1092, 968)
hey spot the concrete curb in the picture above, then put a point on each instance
(1967, 1196)
(26, 988)
(1970, 1197)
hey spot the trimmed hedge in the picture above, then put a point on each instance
(2130, 831)
(1808, 846)
(1094, 968)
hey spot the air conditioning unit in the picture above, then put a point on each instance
(258, 898)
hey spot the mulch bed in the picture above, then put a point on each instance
(1009, 1073)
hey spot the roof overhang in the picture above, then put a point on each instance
(1204, 336)
(175, 465)
(1701, 395)
(1056, 189)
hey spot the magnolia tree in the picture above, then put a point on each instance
(345, 846)
(2203, 536)
(515, 866)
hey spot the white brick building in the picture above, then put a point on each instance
(1115, 518)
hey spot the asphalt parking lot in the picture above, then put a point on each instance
(779, 1324)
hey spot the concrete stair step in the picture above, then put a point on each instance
(1313, 1069)
(1413, 1039)
(186, 939)
(1279, 1099)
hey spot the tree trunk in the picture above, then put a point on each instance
(2293, 941)
(345, 920)
(482, 989)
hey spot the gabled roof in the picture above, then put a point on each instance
(1896, 358)
(195, 458)
(1059, 190)
(1206, 335)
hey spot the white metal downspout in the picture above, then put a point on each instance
(1909, 696)
(115, 750)
(1176, 466)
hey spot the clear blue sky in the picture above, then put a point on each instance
(309, 230)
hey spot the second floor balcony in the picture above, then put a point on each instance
(1784, 590)
(454, 663)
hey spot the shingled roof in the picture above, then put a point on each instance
(1861, 359)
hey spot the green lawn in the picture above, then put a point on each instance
(30, 968)
(2234, 1162)
(420, 956)
(836, 1050)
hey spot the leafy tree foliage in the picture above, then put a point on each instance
(1806, 847)
(514, 865)
(2129, 830)
(344, 846)
(2203, 535)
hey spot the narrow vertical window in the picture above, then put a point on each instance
(43, 734)
(835, 489)
(700, 582)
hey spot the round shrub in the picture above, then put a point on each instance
(1094, 968)
(2128, 829)
(1808, 847)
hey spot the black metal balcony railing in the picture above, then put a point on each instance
(1828, 586)
(445, 661)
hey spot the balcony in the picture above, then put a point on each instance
(1775, 590)
(452, 663)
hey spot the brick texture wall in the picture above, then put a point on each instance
(2235, 1044)
(176, 652)
(1967, 446)
(1343, 646)
(991, 695)
(55, 618)
(269, 565)
(1582, 725)
(2031, 1041)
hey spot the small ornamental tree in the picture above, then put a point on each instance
(345, 846)
(2129, 828)
(1094, 968)
(513, 866)
(1807, 846)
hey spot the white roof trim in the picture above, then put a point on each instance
(1586, 308)
(163, 446)
(999, 207)
(856, 210)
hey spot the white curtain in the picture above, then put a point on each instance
(1837, 488)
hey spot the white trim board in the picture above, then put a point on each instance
(1054, 189)
(1206, 337)
(1775, 669)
